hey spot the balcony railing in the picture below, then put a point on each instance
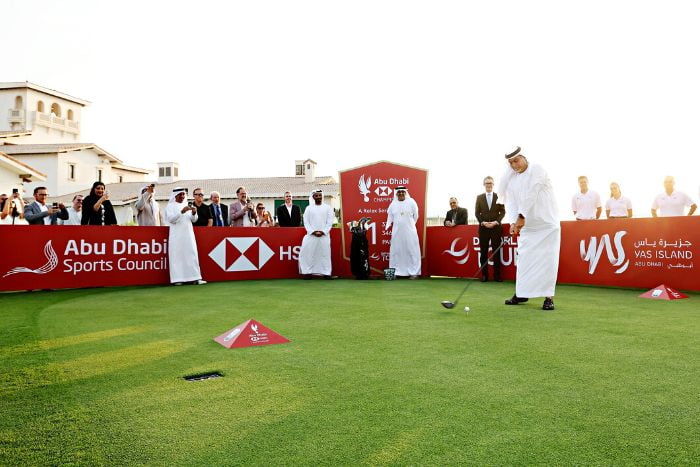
(59, 123)
(16, 116)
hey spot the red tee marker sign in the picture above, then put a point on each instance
(663, 292)
(248, 334)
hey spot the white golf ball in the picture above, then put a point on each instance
(466, 308)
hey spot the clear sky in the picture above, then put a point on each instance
(609, 89)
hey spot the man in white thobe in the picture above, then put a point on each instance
(315, 254)
(529, 196)
(182, 248)
(404, 253)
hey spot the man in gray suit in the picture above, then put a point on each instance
(242, 212)
(38, 213)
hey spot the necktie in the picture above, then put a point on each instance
(488, 199)
(217, 213)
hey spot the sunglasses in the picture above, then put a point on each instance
(198, 194)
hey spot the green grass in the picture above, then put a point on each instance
(377, 373)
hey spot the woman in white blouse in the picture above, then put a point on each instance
(618, 205)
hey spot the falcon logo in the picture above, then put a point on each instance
(461, 256)
(364, 184)
(52, 262)
(594, 251)
(383, 191)
(254, 327)
(241, 254)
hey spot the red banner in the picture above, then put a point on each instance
(621, 252)
(614, 252)
(631, 252)
(454, 252)
(367, 191)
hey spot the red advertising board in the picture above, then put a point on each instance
(612, 252)
(454, 252)
(620, 252)
(631, 252)
(367, 191)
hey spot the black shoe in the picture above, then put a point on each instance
(330, 278)
(548, 304)
(484, 278)
(306, 277)
(515, 300)
(498, 279)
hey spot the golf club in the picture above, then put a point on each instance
(448, 304)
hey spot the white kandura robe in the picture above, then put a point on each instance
(315, 254)
(404, 253)
(530, 193)
(182, 248)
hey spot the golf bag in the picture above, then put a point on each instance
(359, 253)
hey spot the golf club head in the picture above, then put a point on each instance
(447, 304)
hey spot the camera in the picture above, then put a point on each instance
(55, 205)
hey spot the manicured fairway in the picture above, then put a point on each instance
(377, 373)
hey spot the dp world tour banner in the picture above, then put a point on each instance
(367, 191)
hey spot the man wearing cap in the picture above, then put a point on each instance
(315, 254)
(527, 193)
(586, 203)
(182, 248)
(672, 202)
(147, 209)
(404, 253)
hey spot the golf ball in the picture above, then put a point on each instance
(466, 308)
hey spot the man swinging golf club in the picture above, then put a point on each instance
(527, 193)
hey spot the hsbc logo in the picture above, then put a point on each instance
(241, 254)
(383, 191)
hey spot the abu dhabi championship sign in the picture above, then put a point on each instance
(368, 191)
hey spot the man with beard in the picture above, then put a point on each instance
(404, 253)
(182, 248)
(315, 254)
(527, 193)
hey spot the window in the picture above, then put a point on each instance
(40, 106)
(300, 169)
(167, 171)
(18, 103)
(175, 172)
(99, 175)
(161, 171)
(69, 114)
(71, 171)
(56, 109)
(121, 179)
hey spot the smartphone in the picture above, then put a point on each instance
(15, 190)
(55, 205)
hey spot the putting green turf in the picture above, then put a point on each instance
(377, 373)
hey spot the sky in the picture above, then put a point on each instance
(608, 89)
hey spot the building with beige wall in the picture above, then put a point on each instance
(40, 127)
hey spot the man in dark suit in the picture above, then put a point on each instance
(288, 214)
(489, 214)
(456, 215)
(38, 213)
(219, 212)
